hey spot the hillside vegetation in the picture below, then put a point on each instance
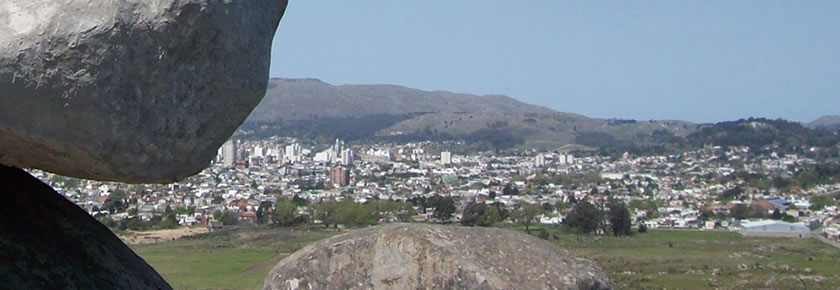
(316, 110)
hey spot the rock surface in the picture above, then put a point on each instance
(421, 256)
(47, 242)
(129, 90)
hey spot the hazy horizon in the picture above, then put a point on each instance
(651, 60)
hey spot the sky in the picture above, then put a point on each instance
(700, 61)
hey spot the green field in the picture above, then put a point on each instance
(233, 258)
(239, 258)
(697, 260)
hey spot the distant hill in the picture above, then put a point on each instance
(758, 132)
(830, 122)
(314, 109)
(303, 99)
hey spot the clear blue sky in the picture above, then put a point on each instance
(701, 61)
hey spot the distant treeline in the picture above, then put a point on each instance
(364, 129)
(345, 128)
(756, 133)
(789, 137)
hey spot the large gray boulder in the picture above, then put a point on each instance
(422, 256)
(129, 90)
(47, 242)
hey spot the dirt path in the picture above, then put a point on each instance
(136, 238)
(827, 241)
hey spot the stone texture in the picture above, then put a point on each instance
(47, 242)
(422, 256)
(129, 90)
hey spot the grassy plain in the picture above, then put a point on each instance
(710, 259)
(232, 258)
(239, 258)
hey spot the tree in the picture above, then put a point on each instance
(472, 213)
(732, 193)
(229, 218)
(444, 207)
(327, 212)
(115, 202)
(819, 202)
(390, 211)
(777, 215)
(404, 211)
(619, 218)
(300, 202)
(491, 216)
(363, 214)
(526, 214)
(264, 212)
(572, 198)
(510, 190)
(168, 221)
(548, 207)
(584, 217)
(739, 211)
(284, 212)
(706, 214)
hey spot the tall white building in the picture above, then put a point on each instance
(338, 147)
(293, 152)
(540, 162)
(347, 157)
(228, 154)
(566, 159)
(445, 157)
(326, 156)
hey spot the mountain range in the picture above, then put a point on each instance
(312, 108)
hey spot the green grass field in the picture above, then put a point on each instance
(233, 258)
(239, 258)
(698, 260)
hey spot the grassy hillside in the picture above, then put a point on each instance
(314, 109)
(239, 258)
(306, 99)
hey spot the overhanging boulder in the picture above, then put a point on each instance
(129, 90)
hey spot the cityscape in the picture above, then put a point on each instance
(275, 144)
(713, 188)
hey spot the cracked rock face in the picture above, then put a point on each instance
(421, 256)
(129, 90)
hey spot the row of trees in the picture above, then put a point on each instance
(286, 212)
(168, 220)
(353, 214)
(610, 217)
